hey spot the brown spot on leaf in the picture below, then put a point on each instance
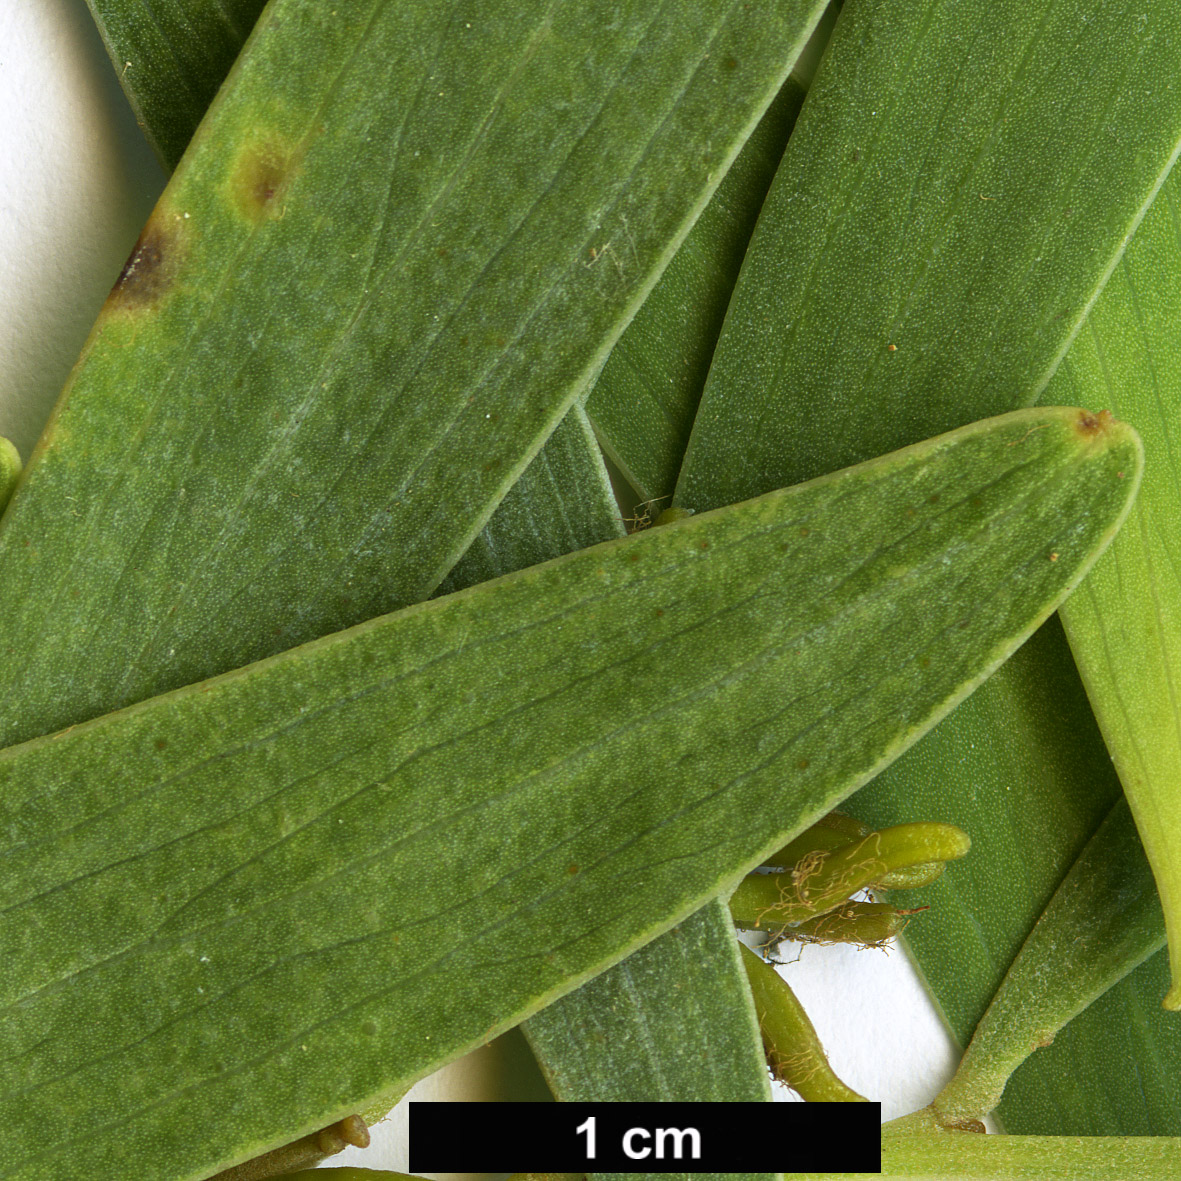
(261, 177)
(1093, 425)
(148, 272)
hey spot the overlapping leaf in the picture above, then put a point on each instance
(535, 520)
(378, 245)
(171, 59)
(563, 763)
(929, 247)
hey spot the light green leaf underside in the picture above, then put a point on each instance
(1123, 626)
(1125, 629)
(10, 470)
(364, 298)
(1103, 921)
(417, 832)
(171, 58)
(562, 502)
(938, 195)
(927, 1156)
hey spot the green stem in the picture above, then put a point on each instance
(794, 1051)
(828, 833)
(307, 1150)
(350, 1173)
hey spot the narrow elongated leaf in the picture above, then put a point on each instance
(379, 247)
(1030, 803)
(643, 402)
(1113, 1067)
(620, 733)
(562, 502)
(641, 1029)
(1117, 1066)
(887, 293)
(1103, 921)
(644, 1031)
(171, 58)
(934, 234)
(1126, 629)
(916, 1147)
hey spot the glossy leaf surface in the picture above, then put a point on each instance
(297, 829)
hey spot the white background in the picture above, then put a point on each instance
(77, 181)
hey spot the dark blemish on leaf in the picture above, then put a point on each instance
(161, 743)
(491, 465)
(369, 1028)
(804, 530)
(705, 545)
(925, 662)
(572, 869)
(659, 612)
(731, 63)
(634, 556)
(933, 498)
(1094, 425)
(147, 274)
(802, 764)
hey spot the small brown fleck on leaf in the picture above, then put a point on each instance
(1054, 557)
(261, 176)
(1094, 424)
